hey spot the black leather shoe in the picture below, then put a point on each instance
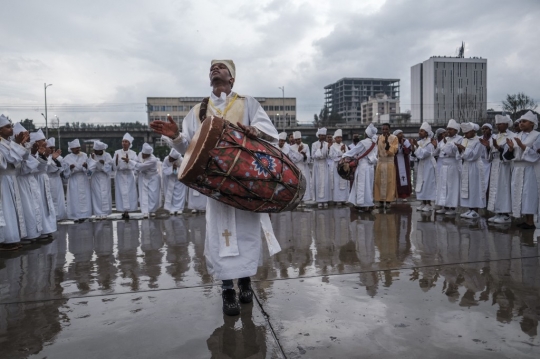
(245, 292)
(230, 303)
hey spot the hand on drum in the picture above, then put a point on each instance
(167, 128)
(251, 132)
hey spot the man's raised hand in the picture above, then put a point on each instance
(167, 128)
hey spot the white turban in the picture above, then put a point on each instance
(487, 125)
(530, 116)
(467, 126)
(37, 136)
(503, 119)
(229, 64)
(283, 136)
(4, 121)
(426, 127)
(371, 130)
(100, 146)
(397, 132)
(128, 138)
(174, 154)
(74, 144)
(18, 128)
(321, 131)
(297, 135)
(51, 142)
(453, 124)
(440, 130)
(338, 133)
(147, 149)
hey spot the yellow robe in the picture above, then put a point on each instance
(385, 174)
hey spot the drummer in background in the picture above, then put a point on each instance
(340, 188)
(125, 185)
(302, 162)
(233, 236)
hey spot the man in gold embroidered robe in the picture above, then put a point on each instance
(385, 173)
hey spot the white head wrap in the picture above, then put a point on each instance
(530, 116)
(439, 131)
(283, 136)
(321, 131)
(371, 130)
(128, 138)
(100, 146)
(174, 154)
(453, 124)
(37, 136)
(4, 121)
(74, 144)
(18, 128)
(468, 126)
(426, 127)
(397, 132)
(228, 63)
(338, 133)
(503, 119)
(147, 149)
(51, 142)
(476, 126)
(297, 135)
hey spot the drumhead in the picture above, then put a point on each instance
(196, 157)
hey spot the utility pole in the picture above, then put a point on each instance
(282, 88)
(46, 125)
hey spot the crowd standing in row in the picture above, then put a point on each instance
(499, 172)
(32, 175)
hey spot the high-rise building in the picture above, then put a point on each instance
(377, 106)
(282, 111)
(345, 97)
(449, 87)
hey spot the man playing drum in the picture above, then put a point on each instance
(233, 236)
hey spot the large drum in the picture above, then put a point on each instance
(222, 163)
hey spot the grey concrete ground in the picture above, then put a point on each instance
(346, 285)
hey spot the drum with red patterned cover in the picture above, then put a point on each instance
(250, 174)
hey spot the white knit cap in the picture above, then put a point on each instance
(174, 154)
(4, 121)
(100, 146)
(147, 149)
(397, 132)
(283, 136)
(453, 124)
(51, 142)
(37, 136)
(18, 128)
(297, 135)
(487, 125)
(230, 65)
(371, 130)
(74, 144)
(467, 126)
(128, 138)
(338, 133)
(426, 127)
(530, 116)
(503, 119)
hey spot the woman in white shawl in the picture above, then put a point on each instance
(174, 190)
(425, 183)
(100, 164)
(149, 181)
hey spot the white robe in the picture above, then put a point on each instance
(79, 196)
(149, 183)
(321, 178)
(500, 198)
(473, 192)
(30, 196)
(361, 194)
(449, 175)
(426, 178)
(526, 175)
(224, 259)
(340, 186)
(174, 191)
(48, 212)
(125, 187)
(303, 164)
(12, 220)
(196, 200)
(100, 184)
(486, 161)
(57, 186)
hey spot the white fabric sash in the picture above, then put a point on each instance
(226, 225)
(271, 241)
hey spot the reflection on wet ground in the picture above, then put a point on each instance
(344, 285)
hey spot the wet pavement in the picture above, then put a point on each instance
(346, 285)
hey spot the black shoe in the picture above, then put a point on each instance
(527, 226)
(230, 304)
(245, 292)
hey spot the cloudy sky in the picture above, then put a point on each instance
(105, 57)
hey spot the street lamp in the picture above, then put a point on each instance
(56, 124)
(46, 125)
(282, 88)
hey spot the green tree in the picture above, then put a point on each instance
(518, 102)
(28, 124)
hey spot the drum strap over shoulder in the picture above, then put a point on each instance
(203, 108)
